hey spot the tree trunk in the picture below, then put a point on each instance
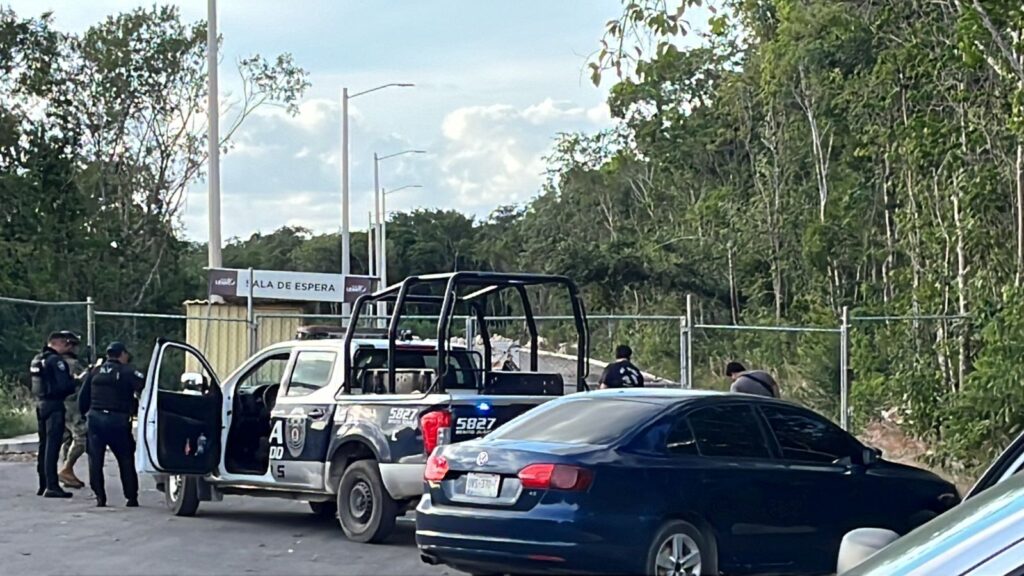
(1020, 207)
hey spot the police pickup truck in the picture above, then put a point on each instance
(344, 424)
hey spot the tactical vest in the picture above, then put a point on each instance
(108, 392)
(40, 382)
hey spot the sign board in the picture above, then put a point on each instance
(297, 286)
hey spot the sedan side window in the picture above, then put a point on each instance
(729, 431)
(680, 441)
(808, 438)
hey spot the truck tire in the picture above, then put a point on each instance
(366, 511)
(181, 494)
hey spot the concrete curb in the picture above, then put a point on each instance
(20, 444)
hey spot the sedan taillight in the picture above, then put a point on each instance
(556, 477)
(437, 467)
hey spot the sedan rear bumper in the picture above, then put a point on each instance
(495, 541)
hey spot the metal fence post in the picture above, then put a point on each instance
(683, 335)
(250, 315)
(844, 369)
(470, 333)
(90, 325)
(689, 340)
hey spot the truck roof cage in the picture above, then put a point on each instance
(486, 284)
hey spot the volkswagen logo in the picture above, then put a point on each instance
(481, 459)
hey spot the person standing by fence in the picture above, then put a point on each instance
(51, 384)
(622, 373)
(756, 382)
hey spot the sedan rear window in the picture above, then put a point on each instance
(583, 421)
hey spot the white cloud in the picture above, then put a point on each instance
(283, 170)
(494, 154)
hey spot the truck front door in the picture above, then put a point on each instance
(301, 422)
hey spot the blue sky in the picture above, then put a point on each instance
(496, 81)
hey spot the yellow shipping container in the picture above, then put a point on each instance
(221, 333)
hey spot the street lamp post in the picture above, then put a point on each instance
(377, 235)
(346, 260)
(384, 230)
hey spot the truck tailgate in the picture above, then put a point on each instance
(476, 416)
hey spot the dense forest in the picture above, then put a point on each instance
(806, 156)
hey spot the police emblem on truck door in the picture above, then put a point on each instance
(295, 432)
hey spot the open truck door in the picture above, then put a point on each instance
(180, 414)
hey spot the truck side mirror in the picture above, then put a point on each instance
(193, 382)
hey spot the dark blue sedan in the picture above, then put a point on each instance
(664, 482)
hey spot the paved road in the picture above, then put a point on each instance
(237, 536)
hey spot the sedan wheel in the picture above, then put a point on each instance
(680, 549)
(678, 556)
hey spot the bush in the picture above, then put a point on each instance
(988, 413)
(16, 414)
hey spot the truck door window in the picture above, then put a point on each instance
(313, 370)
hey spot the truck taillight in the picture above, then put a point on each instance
(555, 477)
(437, 467)
(436, 427)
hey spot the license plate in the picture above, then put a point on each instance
(482, 485)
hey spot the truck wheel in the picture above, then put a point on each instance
(366, 511)
(182, 495)
(324, 509)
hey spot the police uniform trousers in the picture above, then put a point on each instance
(50, 419)
(113, 430)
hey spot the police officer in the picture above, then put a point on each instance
(107, 399)
(622, 373)
(51, 384)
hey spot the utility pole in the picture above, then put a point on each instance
(346, 260)
(213, 137)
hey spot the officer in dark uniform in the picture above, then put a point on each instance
(108, 400)
(52, 382)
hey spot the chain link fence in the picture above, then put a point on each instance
(804, 360)
(907, 368)
(814, 365)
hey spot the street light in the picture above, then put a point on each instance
(384, 231)
(346, 260)
(376, 254)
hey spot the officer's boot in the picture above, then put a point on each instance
(56, 493)
(67, 477)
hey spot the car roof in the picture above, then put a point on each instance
(670, 396)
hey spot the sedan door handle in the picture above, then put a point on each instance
(316, 413)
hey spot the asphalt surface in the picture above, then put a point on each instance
(237, 536)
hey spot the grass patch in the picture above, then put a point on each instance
(16, 422)
(16, 414)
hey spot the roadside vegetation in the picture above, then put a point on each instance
(802, 157)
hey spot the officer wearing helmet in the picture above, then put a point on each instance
(108, 401)
(52, 382)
